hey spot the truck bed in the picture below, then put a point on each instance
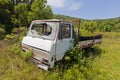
(89, 41)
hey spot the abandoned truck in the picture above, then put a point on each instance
(50, 39)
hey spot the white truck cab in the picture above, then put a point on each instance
(49, 40)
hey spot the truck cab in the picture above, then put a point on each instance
(48, 40)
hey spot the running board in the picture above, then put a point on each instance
(40, 64)
(43, 66)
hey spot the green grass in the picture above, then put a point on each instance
(109, 63)
(99, 63)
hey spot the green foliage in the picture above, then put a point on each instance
(11, 38)
(73, 55)
(27, 55)
(14, 67)
(84, 32)
(16, 49)
(15, 39)
(21, 15)
(39, 10)
(21, 30)
(63, 17)
(2, 32)
(73, 74)
(16, 35)
(6, 9)
(89, 26)
(107, 25)
(78, 64)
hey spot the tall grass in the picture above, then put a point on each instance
(109, 63)
(101, 62)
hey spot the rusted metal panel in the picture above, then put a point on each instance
(25, 47)
(40, 54)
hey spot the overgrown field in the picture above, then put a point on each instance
(102, 62)
(108, 64)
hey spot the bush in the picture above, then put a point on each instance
(2, 33)
(16, 35)
(16, 49)
(73, 55)
(26, 55)
(19, 30)
(11, 38)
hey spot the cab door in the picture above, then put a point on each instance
(64, 41)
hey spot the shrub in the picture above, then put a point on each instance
(11, 38)
(19, 30)
(2, 32)
(26, 55)
(16, 35)
(73, 55)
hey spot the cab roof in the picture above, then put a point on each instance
(51, 20)
(47, 20)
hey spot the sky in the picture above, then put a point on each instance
(86, 9)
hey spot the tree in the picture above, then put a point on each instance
(90, 26)
(6, 9)
(2, 31)
(21, 15)
(40, 10)
(117, 27)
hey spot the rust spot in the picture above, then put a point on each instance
(25, 47)
(40, 54)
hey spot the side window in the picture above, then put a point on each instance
(65, 31)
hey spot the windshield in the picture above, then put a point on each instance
(44, 30)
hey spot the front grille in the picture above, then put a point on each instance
(41, 55)
(38, 54)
